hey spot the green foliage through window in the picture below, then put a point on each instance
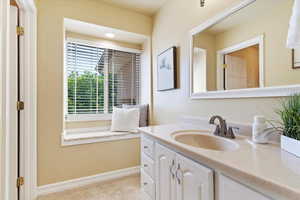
(89, 91)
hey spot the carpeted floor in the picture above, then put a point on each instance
(127, 188)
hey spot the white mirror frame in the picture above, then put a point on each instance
(276, 91)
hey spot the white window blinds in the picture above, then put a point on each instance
(100, 78)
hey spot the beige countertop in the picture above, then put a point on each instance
(270, 170)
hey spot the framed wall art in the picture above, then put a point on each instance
(166, 70)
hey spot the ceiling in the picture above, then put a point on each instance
(148, 7)
(100, 31)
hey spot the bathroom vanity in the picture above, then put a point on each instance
(175, 165)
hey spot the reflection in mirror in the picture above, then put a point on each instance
(245, 50)
(241, 68)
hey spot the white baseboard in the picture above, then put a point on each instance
(75, 183)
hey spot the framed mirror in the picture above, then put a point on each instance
(242, 53)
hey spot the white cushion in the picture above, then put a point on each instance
(143, 113)
(125, 119)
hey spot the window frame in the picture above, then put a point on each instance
(89, 117)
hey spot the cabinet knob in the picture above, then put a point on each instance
(145, 147)
(145, 165)
(145, 183)
(172, 169)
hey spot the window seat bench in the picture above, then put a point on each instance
(93, 135)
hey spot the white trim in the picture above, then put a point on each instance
(209, 23)
(29, 67)
(254, 41)
(220, 17)
(103, 45)
(4, 64)
(279, 91)
(75, 183)
(93, 135)
(11, 99)
(86, 130)
(104, 137)
(87, 117)
(28, 58)
(65, 80)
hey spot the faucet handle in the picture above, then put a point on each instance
(230, 133)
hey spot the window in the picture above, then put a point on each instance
(99, 79)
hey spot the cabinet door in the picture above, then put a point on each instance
(230, 189)
(164, 173)
(194, 181)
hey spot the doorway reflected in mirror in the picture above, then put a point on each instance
(241, 68)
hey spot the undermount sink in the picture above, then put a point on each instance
(205, 140)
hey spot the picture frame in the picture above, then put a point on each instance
(167, 70)
(296, 58)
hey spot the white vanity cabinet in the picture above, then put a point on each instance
(167, 175)
(147, 169)
(194, 181)
(165, 167)
(231, 190)
(176, 177)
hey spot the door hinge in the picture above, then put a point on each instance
(20, 181)
(20, 105)
(20, 30)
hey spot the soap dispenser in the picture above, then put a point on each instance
(259, 134)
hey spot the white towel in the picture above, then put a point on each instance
(293, 40)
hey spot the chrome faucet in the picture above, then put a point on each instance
(221, 128)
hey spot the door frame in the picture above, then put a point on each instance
(259, 40)
(28, 77)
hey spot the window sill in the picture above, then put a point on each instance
(93, 135)
(88, 117)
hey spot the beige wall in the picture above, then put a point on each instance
(57, 163)
(171, 27)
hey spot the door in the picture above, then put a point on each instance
(165, 173)
(193, 181)
(236, 73)
(230, 189)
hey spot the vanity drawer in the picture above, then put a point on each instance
(147, 146)
(147, 184)
(148, 165)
